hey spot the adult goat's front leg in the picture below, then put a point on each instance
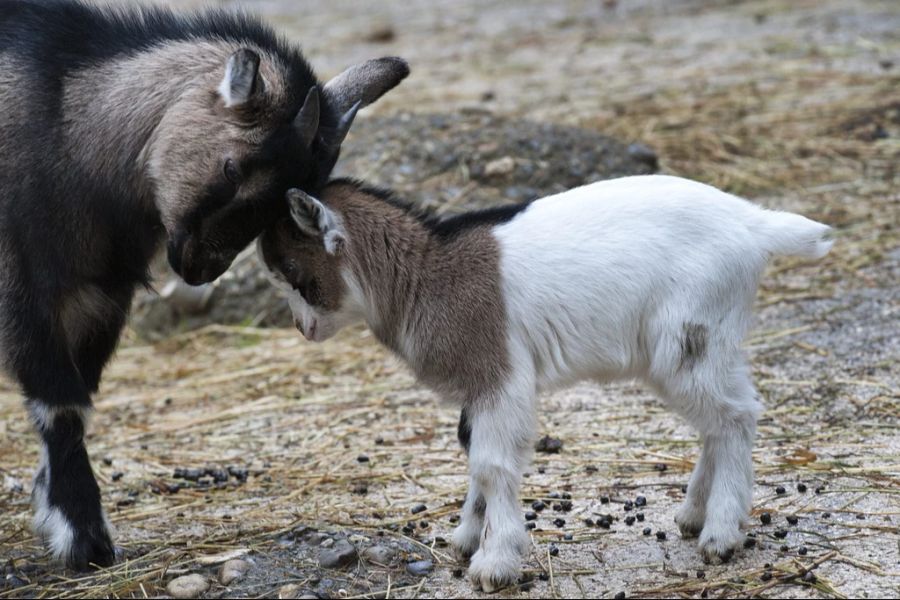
(68, 515)
(501, 443)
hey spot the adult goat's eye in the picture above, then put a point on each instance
(231, 172)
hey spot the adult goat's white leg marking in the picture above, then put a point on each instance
(503, 432)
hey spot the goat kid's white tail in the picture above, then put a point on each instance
(794, 235)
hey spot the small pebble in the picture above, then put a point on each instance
(589, 522)
(826, 515)
(619, 596)
(554, 551)
(780, 534)
(418, 508)
(784, 548)
(749, 542)
(117, 475)
(530, 516)
(187, 586)
(590, 469)
(802, 551)
(362, 458)
(766, 576)
(559, 522)
(640, 501)
(780, 490)
(458, 573)
(801, 487)
(233, 570)
(792, 519)
(381, 555)
(640, 517)
(701, 574)
(568, 537)
(423, 524)
(420, 567)
(820, 489)
(765, 518)
(628, 505)
(809, 577)
(530, 525)
(341, 554)
(604, 499)
(605, 522)
(566, 496)
(538, 505)
(647, 531)
(661, 467)
(860, 516)
(661, 535)
(553, 495)
(629, 520)
(543, 576)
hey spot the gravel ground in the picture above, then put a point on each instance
(333, 446)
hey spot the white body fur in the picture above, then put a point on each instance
(649, 277)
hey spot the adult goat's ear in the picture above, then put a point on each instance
(355, 88)
(316, 220)
(242, 81)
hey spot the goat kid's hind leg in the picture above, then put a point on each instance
(501, 444)
(692, 514)
(725, 413)
(467, 535)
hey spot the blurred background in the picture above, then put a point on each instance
(294, 447)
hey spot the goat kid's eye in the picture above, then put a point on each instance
(231, 171)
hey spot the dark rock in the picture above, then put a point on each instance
(549, 445)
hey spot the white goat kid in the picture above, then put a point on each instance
(649, 277)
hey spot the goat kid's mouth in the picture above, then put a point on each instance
(308, 331)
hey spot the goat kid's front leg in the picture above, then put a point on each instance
(467, 536)
(501, 443)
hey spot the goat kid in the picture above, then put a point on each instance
(649, 277)
(121, 128)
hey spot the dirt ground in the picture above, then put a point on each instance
(233, 441)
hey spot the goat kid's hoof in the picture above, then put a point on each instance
(720, 547)
(492, 572)
(689, 521)
(465, 542)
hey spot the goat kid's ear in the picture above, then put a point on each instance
(242, 81)
(357, 87)
(316, 220)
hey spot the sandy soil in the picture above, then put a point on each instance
(794, 104)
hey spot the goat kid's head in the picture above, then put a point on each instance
(303, 257)
(225, 153)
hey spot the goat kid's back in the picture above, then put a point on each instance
(606, 279)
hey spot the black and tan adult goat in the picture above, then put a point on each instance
(120, 128)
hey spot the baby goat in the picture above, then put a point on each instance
(648, 277)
